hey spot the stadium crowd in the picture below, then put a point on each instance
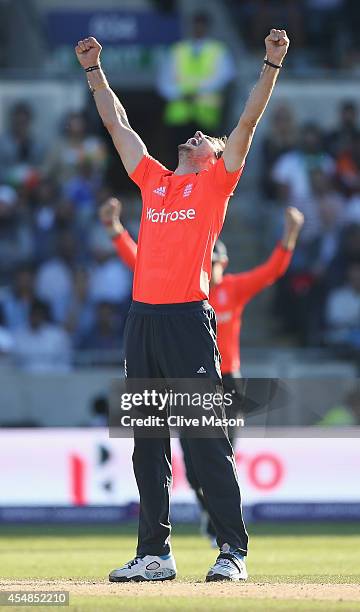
(61, 286)
(319, 173)
(62, 289)
(324, 33)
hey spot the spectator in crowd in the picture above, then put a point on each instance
(81, 313)
(352, 213)
(340, 139)
(292, 175)
(330, 206)
(81, 190)
(254, 16)
(20, 152)
(347, 253)
(44, 204)
(77, 162)
(54, 279)
(75, 148)
(192, 80)
(42, 346)
(99, 412)
(110, 280)
(280, 138)
(15, 234)
(6, 339)
(105, 334)
(343, 311)
(324, 21)
(344, 414)
(65, 217)
(352, 22)
(17, 299)
(348, 167)
(301, 295)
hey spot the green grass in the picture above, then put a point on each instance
(296, 553)
(214, 604)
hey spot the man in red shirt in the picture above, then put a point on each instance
(229, 295)
(171, 330)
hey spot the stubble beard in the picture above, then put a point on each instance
(184, 151)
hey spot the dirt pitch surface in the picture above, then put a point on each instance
(305, 591)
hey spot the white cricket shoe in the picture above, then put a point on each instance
(229, 565)
(145, 568)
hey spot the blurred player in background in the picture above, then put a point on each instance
(229, 294)
(171, 328)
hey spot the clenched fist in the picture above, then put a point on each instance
(294, 218)
(109, 214)
(277, 44)
(88, 52)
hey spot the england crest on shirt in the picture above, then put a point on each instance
(187, 190)
(222, 297)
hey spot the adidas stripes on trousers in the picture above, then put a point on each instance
(178, 341)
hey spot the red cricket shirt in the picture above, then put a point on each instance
(229, 298)
(181, 219)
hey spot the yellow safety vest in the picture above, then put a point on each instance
(191, 69)
(337, 416)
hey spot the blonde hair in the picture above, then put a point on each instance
(219, 143)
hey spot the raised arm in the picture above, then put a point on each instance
(127, 142)
(239, 141)
(252, 282)
(126, 247)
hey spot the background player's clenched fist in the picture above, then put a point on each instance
(294, 218)
(88, 52)
(109, 214)
(277, 44)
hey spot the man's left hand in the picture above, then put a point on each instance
(277, 44)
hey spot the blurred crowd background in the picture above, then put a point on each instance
(64, 294)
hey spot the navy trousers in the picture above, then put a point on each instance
(178, 341)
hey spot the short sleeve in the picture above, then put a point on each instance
(147, 168)
(223, 180)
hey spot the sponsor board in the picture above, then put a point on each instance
(83, 467)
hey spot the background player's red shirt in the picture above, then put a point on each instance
(126, 248)
(181, 219)
(229, 298)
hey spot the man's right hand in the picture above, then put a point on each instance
(88, 52)
(109, 214)
(294, 220)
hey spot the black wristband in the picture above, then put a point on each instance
(91, 68)
(266, 61)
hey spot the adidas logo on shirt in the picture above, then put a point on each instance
(161, 191)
